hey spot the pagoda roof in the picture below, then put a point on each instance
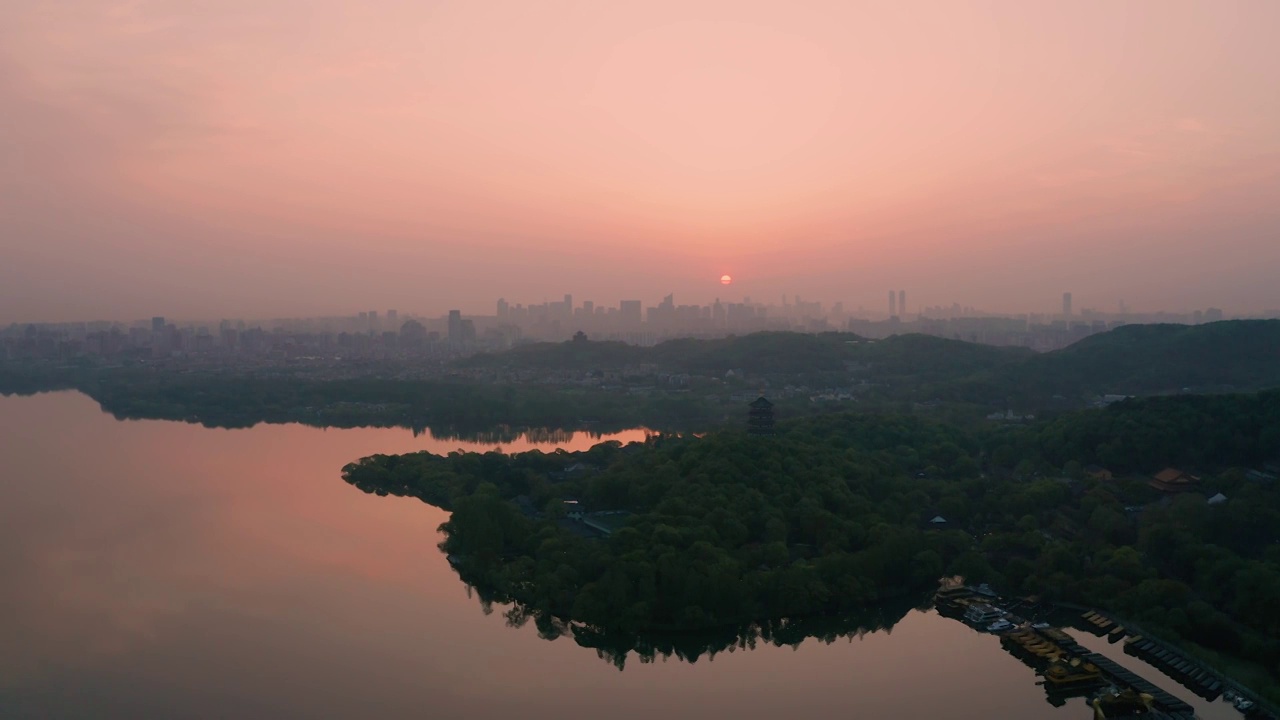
(761, 402)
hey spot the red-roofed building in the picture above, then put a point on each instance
(1172, 480)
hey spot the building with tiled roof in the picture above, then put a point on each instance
(1173, 480)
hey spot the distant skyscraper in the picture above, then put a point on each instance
(157, 324)
(503, 309)
(455, 326)
(893, 304)
(902, 302)
(629, 312)
(1066, 304)
(392, 317)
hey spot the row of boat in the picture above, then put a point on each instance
(1067, 668)
(1103, 626)
(1189, 673)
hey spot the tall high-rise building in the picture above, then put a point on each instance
(455, 326)
(893, 304)
(629, 312)
(157, 324)
(392, 317)
(1066, 304)
(504, 310)
(902, 302)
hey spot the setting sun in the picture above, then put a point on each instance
(725, 279)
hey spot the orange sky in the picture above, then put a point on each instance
(300, 157)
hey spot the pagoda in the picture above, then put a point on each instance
(760, 417)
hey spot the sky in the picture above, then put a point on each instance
(261, 158)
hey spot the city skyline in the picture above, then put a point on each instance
(215, 162)
(641, 312)
(393, 336)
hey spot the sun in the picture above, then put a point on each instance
(725, 279)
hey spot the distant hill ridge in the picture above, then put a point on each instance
(1148, 359)
(763, 352)
(1131, 359)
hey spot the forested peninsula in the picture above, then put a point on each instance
(839, 514)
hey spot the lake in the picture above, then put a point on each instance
(154, 569)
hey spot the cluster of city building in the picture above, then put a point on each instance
(373, 335)
(629, 321)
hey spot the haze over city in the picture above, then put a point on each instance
(686, 359)
(286, 158)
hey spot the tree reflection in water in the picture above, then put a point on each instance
(615, 645)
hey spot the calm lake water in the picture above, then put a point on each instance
(153, 569)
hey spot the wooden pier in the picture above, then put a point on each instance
(1120, 676)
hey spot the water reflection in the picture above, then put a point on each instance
(615, 646)
(506, 434)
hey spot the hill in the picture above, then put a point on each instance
(1155, 359)
(1226, 356)
(763, 353)
(768, 353)
(808, 373)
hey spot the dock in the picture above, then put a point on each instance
(1123, 677)
(1042, 647)
(1191, 674)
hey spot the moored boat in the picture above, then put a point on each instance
(1000, 625)
(1071, 673)
(1125, 704)
(982, 614)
